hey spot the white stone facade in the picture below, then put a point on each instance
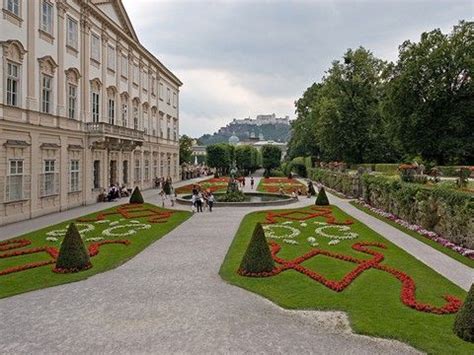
(83, 105)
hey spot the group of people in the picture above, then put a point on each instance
(167, 191)
(114, 192)
(202, 200)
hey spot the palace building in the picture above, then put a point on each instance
(83, 105)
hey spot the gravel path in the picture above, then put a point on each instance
(170, 299)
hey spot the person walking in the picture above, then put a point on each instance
(199, 201)
(210, 201)
(163, 198)
(252, 182)
(173, 196)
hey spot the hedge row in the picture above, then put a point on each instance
(444, 210)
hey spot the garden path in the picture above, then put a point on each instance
(460, 274)
(170, 299)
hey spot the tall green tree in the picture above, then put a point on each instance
(430, 100)
(219, 156)
(271, 158)
(185, 152)
(244, 157)
(348, 122)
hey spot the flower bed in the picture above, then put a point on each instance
(277, 185)
(424, 232)
(214, 185)
(385, 291)
(23, 259)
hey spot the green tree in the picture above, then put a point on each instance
(271, 158)
(245, 157)
(430, 100)
(348, 120)
(73, 255)
(257, 257)
(185, 152)
(219, 156)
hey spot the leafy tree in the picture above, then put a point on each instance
(271, 157)
(73, 255)
(185, 152)
(348, 123)
(219, 156)
(430, 99)
(246, 158)
(322, 199)
(257, 257)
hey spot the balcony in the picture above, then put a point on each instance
(103, 129)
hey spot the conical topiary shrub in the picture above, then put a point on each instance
(464, 322)
(73, 255)
(257, 257)
(136, 196)
(322, 199)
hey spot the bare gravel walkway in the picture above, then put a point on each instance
(170, 299)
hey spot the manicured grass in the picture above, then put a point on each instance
(372, 301)
(431, 243)
(275, 184)
(213, 184)
(110, 256)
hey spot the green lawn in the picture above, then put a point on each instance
(372, 301)
(109, 257)
(444, 250)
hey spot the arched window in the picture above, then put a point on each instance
(136, 114)
(111, 94)
(47, 70)
(95, 99)
(146, 122)
(124, 109)
(72, 83)
(13, 54)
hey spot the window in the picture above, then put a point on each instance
(111, 111)
(155, 168)
(49, 178)
(125, 115)
(174, 99)
(95, 47)
(135, 117)
(71, 100)
(47, 17)
(124, 66)
(13, 79)
(46, 94)
(15, 180)
(111, 58)
(125, 172)
(95, 107)
(147, 170)
(145, 80)
(137, 170)
(168, 96)
(96, 170)
(145, 119)
(153, 83)
(74, 176)
(14, 7)
(161, 91)
(72, 33)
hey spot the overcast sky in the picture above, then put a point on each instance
(241, 58)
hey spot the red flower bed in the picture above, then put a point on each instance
(52, 251)
(205, 185)
(407, 294)
(325, 212)
(131, 211)
(274, 185)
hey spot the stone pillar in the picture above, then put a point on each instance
(104, 98)
(85, 62)
(32, 72)
(61, 7)
(63, 173)
(35, 160)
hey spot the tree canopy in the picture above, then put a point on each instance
(185, 152)
(271, 157)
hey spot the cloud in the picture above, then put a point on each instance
(240, 58)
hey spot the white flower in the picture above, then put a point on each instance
(83, 228)
(135, 221)
(344, 230)
(311, 239)
(102, 221)
(287, 222)
(290, 241)
(114, 223)
(303, 224)
(94, 239)
(133, 228)
(270, 231)
(333, 242)
(52, 239)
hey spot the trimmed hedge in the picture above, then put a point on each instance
(73, 255)
(257, 257)
(389, 169)
(136, 196)
(464, 322)
(444, 210)
(322, 199)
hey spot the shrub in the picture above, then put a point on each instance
(277, 173)
(136, 196)
(73, 255)
(322, 199)
(257, 257)
(232, 196)
(464, 322)
(389, 169)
